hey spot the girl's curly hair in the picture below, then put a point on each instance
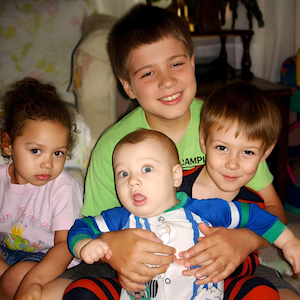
(28, 99)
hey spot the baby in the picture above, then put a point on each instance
(147, 174)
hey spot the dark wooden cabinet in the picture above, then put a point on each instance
(220, 67)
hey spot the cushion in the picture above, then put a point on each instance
(93, 80)
(37, 39)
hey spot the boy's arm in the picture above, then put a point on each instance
(226, 244)
(228, 247)
(272, 202)
(49, 268)
(262, 183)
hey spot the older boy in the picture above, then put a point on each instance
(151, 52)
(147, 173)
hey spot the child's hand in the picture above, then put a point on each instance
(291, 252)
(129, 285)
(29, 292)
(133, 249)
(94, 250)
(228, 248)
(194, 271)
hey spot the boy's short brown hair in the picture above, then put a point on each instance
(141, 135)
(144, 25)
(257, 116)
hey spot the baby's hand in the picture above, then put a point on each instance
(291, 252)
(91, 251)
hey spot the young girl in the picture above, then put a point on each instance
(39, 202)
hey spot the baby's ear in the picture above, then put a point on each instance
(267, 153)
(127, 88)
(5, 143)
(177, 175)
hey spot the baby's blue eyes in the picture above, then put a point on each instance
(147, 169)
(123, 174)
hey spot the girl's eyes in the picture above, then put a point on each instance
(123, 174)
(35, 151)
(56, 153)
(59, 153)
(147, 169)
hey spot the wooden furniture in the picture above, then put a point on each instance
(278, 158)
(220, 67)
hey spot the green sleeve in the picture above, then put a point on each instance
(274, 232)
(262, 178)
(99, 185)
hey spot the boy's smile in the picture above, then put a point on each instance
(39, 153)
(231, 162)
(162, 78)
(144, 178)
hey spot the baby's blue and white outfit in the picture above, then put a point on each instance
(178, 228)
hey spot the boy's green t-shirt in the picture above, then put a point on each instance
(100, 186)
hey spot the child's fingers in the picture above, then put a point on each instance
(149, 273)
(190, 272)
(93, 252)
(296, 264)
(193, 271)
(216, 270)
(291, 252)
(130, 286)
(109, 254)
(180, 261)
(206, 279)
(222, 275)
(104, 248)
